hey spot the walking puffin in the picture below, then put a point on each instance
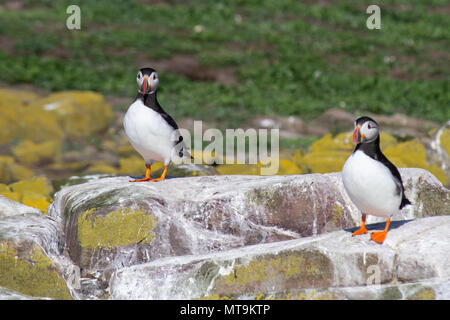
(150, 130)
(371, 180)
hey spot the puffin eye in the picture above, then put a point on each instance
(369, 126)
(154, 76)
(139, 75)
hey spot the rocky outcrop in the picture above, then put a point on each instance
(229, 236)
(111, 223)
(413, 263)
(29, 253)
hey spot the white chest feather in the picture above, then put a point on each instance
(148, 133)
(370, 185)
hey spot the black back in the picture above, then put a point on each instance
(372, 149)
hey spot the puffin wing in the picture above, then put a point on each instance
(400, 190)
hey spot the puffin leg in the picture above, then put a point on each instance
(147, 175)
(163, 176)
(362, 229)
(379, 236)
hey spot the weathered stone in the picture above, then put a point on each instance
(29, 253)
(331, 266)
(197, 215)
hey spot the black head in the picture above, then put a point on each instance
(366, 130)
(147, 80)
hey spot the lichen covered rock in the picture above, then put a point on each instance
(29, 153)
(34, 192)
(26, 269)
(10, 171)
(79, 113)
(117, 228)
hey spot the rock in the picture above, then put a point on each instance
(35, 192)
(330, 266)
(11, 104)
(332, 120)
(29, 153)
(25, 268)
(214, 213)
(403, 125)
(29, 252)
(10, 171)
(79, 113)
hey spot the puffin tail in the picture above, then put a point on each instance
(404, 202)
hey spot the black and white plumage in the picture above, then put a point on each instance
(372, 182)
(151, 131)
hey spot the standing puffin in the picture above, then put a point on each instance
(371, 180)
(150, 130)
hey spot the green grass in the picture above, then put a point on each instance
(289, 57)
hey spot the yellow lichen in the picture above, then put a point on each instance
(413, 154)
(260, 272)
(10, 171)
(117, 228)
(38, 125)
(35, 192)
(245, 169)
(30, 153)
(79, 113)
(29, 271)
(445, 141)
(132, 166)
(101, 167)
(426, 293)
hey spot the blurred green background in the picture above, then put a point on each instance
(228, 63)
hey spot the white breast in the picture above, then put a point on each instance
(370, 185)
(148, 133)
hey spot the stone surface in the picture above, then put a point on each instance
(29, 253)
(283, 237)
(331, 266)
(196, 215)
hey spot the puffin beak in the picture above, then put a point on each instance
(356, 135)
(144, 87)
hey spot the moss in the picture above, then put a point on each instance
(117, 228)
(30, 153)
(282, 271)
(27, 270)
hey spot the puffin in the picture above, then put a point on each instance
(372, 182)
(151, 131)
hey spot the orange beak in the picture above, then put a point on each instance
(145, 87)
(356, 135)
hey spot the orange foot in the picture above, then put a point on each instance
(147, 176)
(380, 236)
(362, 229)
(163, 176)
